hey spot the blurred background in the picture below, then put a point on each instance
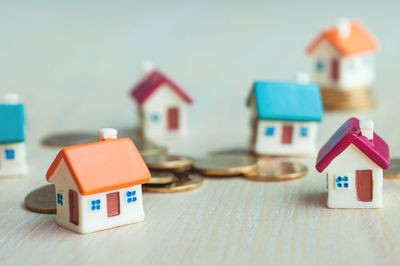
(73, 62)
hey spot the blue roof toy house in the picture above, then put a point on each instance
(284, 117)
(12, 137)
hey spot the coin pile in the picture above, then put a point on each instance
(247, 164)
(69, 139)
(42, 200)
(62, 140)
(394, 169)
(225, 165)
(346, 99)
(271, 170)
(170, 174)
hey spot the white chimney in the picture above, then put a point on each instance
(147, 67)
(343, 27)
(302, 77)
(367, 128)
(107, 133)
(10, 98)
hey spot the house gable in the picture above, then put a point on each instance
(151, 83)
(350, 160)
(162, 98)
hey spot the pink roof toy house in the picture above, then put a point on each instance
(353, 160)
(162, 105)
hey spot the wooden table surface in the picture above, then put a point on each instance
(73, 63)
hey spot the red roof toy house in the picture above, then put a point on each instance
(162, 105)
(353, 160)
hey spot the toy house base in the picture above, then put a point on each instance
(20, 172)
(90, 228)
(354, 205)
(346, 99)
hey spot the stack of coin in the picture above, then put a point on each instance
(69, 139)
(346, 99)
(270, 170)
(394, 169)
(170, 174)
(146, 148)
(42, 200)
(225, 165)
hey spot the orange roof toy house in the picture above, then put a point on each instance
(343, 64)
(98, 185)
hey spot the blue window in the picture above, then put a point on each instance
(304, 132)
(95, 205)
(60, 199)
(130, 196)
(351, 65)
(155, 117)
(269, 131)
(342, 182)
(10, 154)
(320, 65)
(367, 61)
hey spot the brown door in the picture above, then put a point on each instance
(364, 185)
(173, 118)
(113, 204)
(287, 133)
(73, 207)
(335, 69)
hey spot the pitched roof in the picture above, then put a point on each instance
(349, 133)
(149, 84)
(12, 121)
(287, 101)
(103, 166)
(360, 40)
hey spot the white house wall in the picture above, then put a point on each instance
(346, 164)
(158, 104)
(354, 71)
(357, 71)
(64, 182)
(16, 166)
(98, 220)
(272, 145)
(324, 52)
(91, 221)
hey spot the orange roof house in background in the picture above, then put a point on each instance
(359, 40)
(98, 185)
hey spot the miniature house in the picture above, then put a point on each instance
(98, 185)
(12, 137)
(343, 56)
(284, 117)
(353, 159)
(163, 105)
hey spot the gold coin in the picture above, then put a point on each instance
(394, 169)
(158, 177)
(167, 161)
(42, 200)
(69, 139)
(277, 170)
(225, 165)
(234, 151)
(181, 183)
(145, 147)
